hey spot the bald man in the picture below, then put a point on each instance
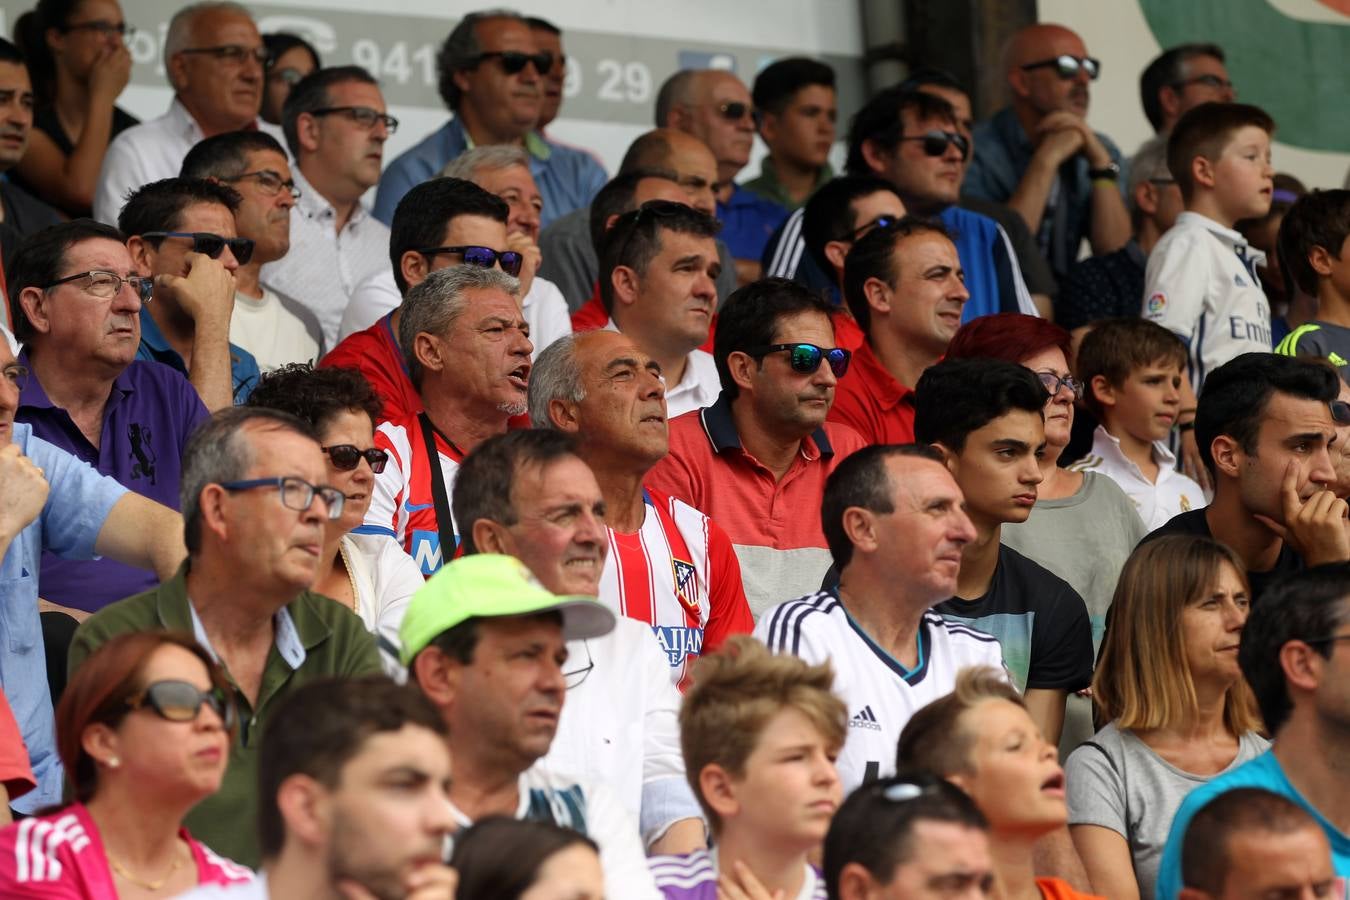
(714, 106)
(1040, 157)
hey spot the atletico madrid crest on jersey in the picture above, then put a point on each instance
(686, 585)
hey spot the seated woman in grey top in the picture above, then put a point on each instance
(1179, 710)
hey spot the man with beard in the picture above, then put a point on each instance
(355, 797)
(467, 349)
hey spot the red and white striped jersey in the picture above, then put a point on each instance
(402, 504)
(679, 574)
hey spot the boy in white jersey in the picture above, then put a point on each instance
(894, 520)
(760, 734)
(1133, 370)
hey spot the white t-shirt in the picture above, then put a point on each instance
(881, 695)
(1198, 287)
(273, 334)
(1157, 502)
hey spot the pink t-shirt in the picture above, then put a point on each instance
(61, 856)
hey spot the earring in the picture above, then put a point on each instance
(114, 762)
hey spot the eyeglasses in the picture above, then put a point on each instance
(1052, 383)
(102, 28)
(16, 375)
(735, 112)
(806, 358)
(270, 182)
(234, 54)
(296, 493)
(288, 76)
(105, 285)
(575, 677)
(482, 257)
(878, 222)
(179, 701)
(346, 457)
(514, 61)
(1068, 66)
(363, 116)
(936, 141)
(1329, 639)
(1340, 412)
(208, 244)
(1214, 81)
(1162, 182)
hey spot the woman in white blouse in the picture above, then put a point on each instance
(367, 573)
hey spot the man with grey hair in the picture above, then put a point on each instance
(214, 58)
(467, 350)
(254, 506)
(1110, 286)
(491, 76)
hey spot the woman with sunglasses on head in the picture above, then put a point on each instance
(368, 573)
(79, 63)
(1177, 708)
(1082, 527)
(143, 731)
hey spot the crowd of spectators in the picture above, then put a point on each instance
(969, 523)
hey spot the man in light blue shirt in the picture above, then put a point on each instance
(51, 500)
(1295, 654)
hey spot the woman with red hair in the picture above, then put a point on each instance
(143, 731)
(1082, 527)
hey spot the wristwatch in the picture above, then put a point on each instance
(1109, 172)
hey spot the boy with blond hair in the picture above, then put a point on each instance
(760, 734)
(1133, 369)
(1201, 282)
(1314, 250)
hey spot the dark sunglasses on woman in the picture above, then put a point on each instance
(346, 457)
(181, 701)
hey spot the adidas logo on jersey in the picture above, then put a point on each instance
(865, 719)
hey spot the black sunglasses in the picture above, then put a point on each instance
(734, 112)
(1340, 412)
(346, 457)
(936, 141)
(1068, 66)
(209, 244)
(482, 257)
(514, 61)
(806, 358)
(885, 221)
(180, 701)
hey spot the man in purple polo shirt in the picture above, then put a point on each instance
(78, 314)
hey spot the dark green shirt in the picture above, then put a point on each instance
(322, 637)
(769, 187)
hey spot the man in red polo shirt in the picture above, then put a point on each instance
(668, 565)
(904, 285)
(439, 223)
(757, 459)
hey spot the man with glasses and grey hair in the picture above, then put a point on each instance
(214, 57)
(254, 506)
(336, 125)
(491, 74)
(467, 351)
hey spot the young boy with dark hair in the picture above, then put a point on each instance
(760, 734)
(1314, 251)
(986, 418)
(1133, 372)
(795, 115)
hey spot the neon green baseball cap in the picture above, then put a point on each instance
(489, 585)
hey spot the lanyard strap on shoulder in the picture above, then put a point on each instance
(438, 495)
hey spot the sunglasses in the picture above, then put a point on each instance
(1068, 66)
(1340, 412)
(1052, 383)
(936, 141)
(878, 222)
(806, 358)
(208, 244)
(514, 61)
(482, 257)
(179, 701)
(346, 457)
(734, 112)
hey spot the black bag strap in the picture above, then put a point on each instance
(438, 494)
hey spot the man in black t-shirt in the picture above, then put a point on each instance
(1265, 426)
(986, 418)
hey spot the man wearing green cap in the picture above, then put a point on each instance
(486, 643)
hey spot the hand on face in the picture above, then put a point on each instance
(206, 292)
(531, 258)
(1315, 527)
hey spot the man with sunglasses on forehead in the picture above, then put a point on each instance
(1040, 157)
(254, 506)
(180, 232)
(213, 56)
(491, 72)
(336, 125)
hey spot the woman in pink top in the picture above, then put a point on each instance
(143, 731)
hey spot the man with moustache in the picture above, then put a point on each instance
(214, 58)
(273, 327)
(336, 126)
(490, 73)
(1039, 156)
(254, 504)
(20, 212)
